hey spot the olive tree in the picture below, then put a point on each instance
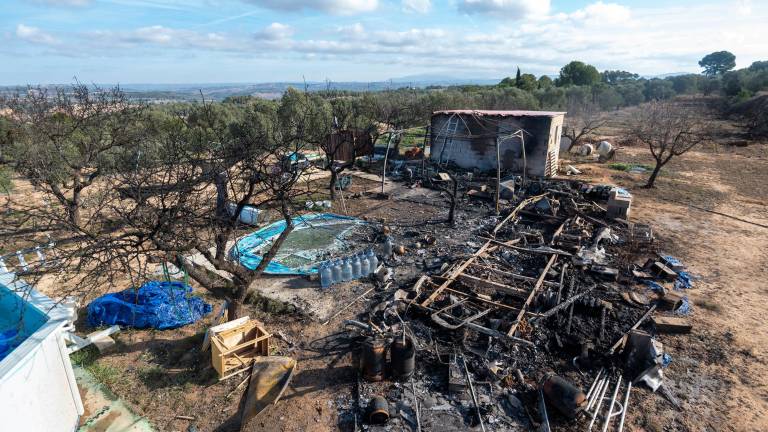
(669, 129)
(67, 137)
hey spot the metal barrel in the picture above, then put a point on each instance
(372, 359)
(403, 357)
(378, 410)
(564, 396)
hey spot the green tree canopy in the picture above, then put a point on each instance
(717, 63)
(618, 76)
(578, 73)
(759, 66)
(527, 82)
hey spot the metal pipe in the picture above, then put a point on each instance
(560, 286)
(599, 403)
(472, 393)
(594, 383)
(610, 407)
(543, 409)
(626, 406)
(598, 389)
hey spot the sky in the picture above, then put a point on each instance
(248, 41)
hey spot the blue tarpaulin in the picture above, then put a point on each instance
(685, 307)
(672, 261)
(654, 286)
(684, 280)
(249, 249)
(158, 305)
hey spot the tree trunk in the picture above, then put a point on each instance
(452, 211)
(222, 195)
(332, 185)
(235, 308)
(654, 174)
(74, 208)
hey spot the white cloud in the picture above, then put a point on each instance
(35, 35)
(409, 38)
(159, 36)
(355, 30)
(744, 7)
(510, 9)
(275, 31)
(336, 7)
(419, 6)
(609, 36)
(600, 13)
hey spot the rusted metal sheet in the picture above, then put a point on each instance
(513, 113)
(345, 145)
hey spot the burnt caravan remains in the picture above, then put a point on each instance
(519, 141)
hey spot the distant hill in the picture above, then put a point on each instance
(160, 93)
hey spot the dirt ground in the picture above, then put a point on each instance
(719, 372)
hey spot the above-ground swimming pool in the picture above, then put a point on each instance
(37, 385)
(18, 320)
(313, 236)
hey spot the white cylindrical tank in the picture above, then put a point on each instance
(604, 148)
(585, 149)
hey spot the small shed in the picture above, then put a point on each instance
(527, 140)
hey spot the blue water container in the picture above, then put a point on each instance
(364, 267)
(336, 271)
(346, 270)
(326, 275)
(355, 261)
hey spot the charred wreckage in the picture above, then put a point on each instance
(549, 320)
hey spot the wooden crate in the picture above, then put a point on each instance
(233, 349)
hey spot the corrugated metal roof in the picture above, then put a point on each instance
(516, 113)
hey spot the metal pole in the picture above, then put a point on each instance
(626, 405)
(599, 403)
(498, 173)
(525, 162)
(544, 416)
(594, 384)
(593, 396)
(613, 402)
(424, 151)
(472, 392)
(562, 279)
(386, 155)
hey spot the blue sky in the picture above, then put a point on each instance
(223, 41)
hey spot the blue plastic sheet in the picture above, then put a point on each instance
(674, 262)
(666, 359)
(654, 286)
(685, 308)
(247, 249)
(684, 281)
(158, 305)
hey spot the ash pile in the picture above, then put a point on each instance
(551, 322)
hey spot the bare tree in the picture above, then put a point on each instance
(669, 129)
(177, 196)
(68, 137)
(581, 122)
